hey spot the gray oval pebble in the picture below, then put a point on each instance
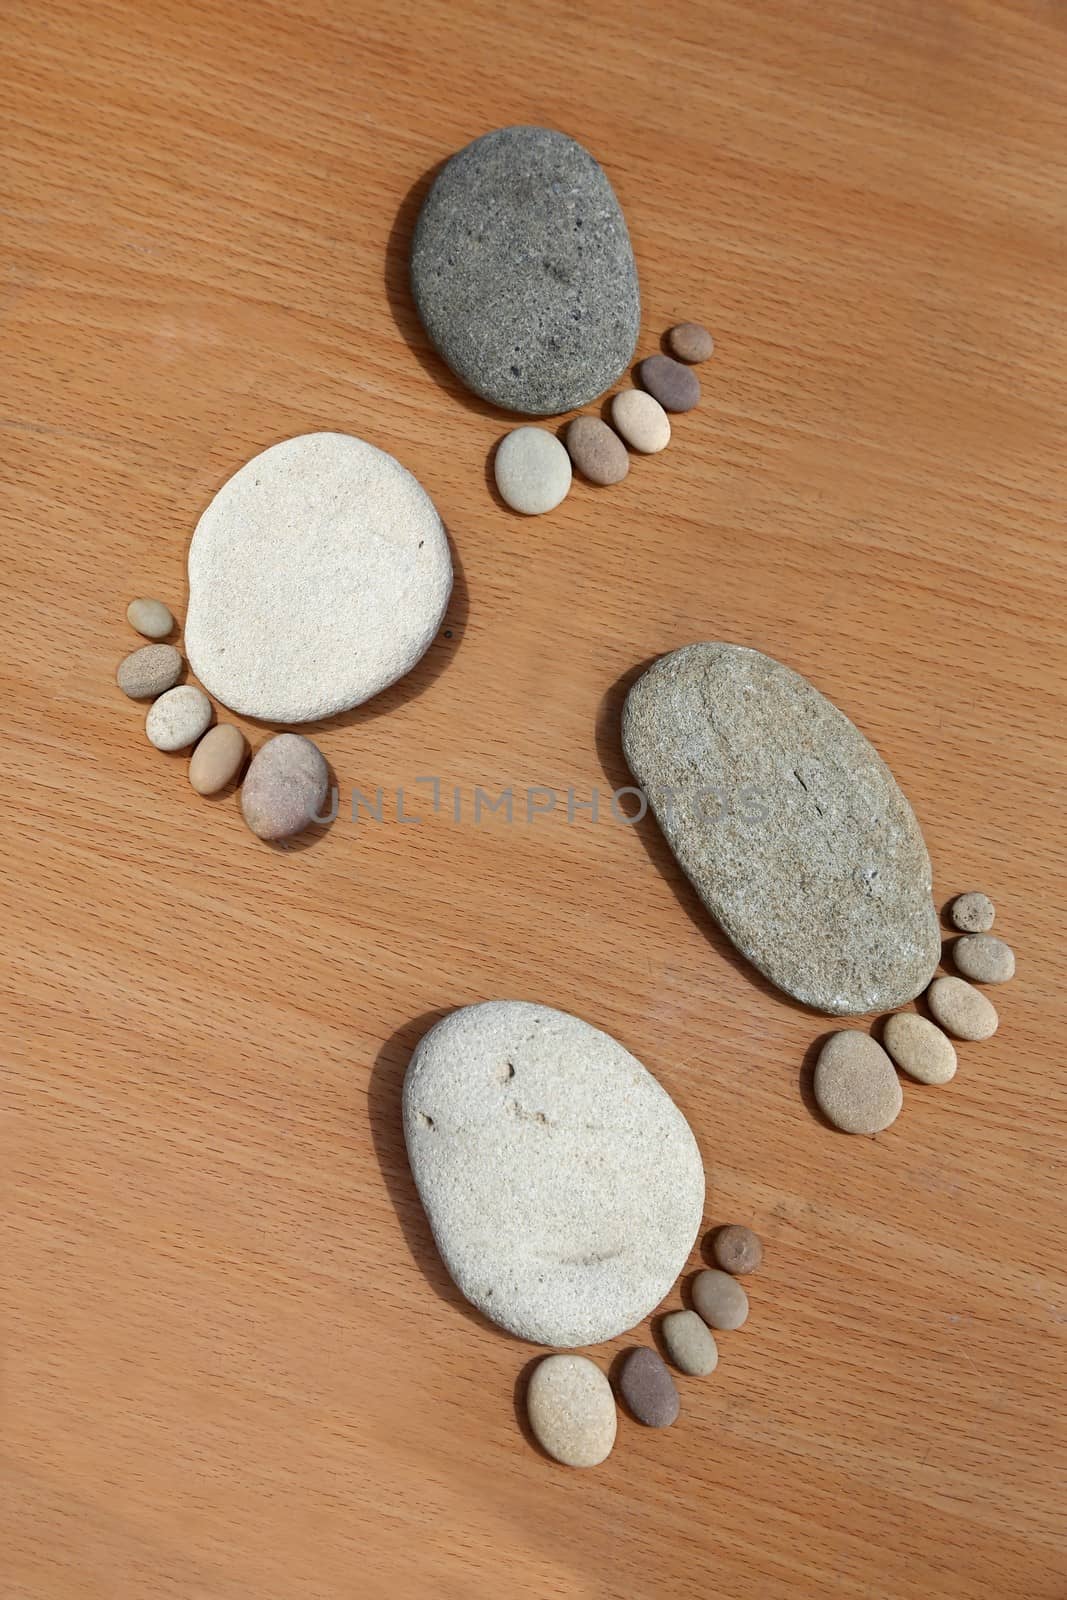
(984, 958)
(855, 1084)
(217, 759)
(646, 1385)
(720, 1299)
(150, 617)
(736, 1249)
(690, 341)
(962, 1010)
(973, 912)
(285, 787)
(690, 1343)
(178, 718)
(597, 451)
(532, 470)
(919, 1047)
(676, 387)
(149, 671)
(572, 1410)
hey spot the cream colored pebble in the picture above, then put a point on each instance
(150, 617)
(855, 1084)
(217, 758)
(919, 1047)
(572, 1410)
(178, 718)
(984, 958)
(641, 421)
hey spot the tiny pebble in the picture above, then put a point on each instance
(973, 912)
(736, 1249)
(642, 421)
(178, 718)
(532, 469)
(720, 1299)
(572, 1410)
(149, 671)
(919, 1048)
(690, 1343)
(677, 388)
(217, 758)
(646, 1385)
(690, 341)
(984, 958)
(597, 451)
(855, 1084)
(150, 617)
(962, 1010)
(285, 786)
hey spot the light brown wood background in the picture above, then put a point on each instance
(234, 1366)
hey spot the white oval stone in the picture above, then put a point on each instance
(178, 718)
(563, 1185)
(532, 470)
(572, 1410)
(318, 576)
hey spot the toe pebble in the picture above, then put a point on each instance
(720, 1299)
(150, 617)
(646, 1385)
(532, 470)
(217, 759)
(973, 912)
(736, 1249)
(149, 671)
(961, 1009)
(690, 1343)
(690, 341)
(676, 387)
(642, 421)
(572, 1410)
(855, 1084)
(178, 718)
(919, 1048)
(984, 958)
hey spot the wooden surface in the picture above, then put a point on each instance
(234, 1365)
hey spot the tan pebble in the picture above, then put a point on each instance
(984, 958)
(178, 718)
(690, 1343)
(285, 787)
(149, 671)
(736, 1249)
(150, 617)
(690, 341)
(572, 1410)
(919, 1048)
(720, 1299)
(597, 451)
(217, 759)
(642, 421)
(961, 1009)
(973, 912)
(855, 1084)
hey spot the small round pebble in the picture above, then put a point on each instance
(642, 421)
(973, 912)
(690, 1343)
(532, 469)
(150, 671)
(690, 341)
(285, 786)
(984, 958)
(855, 1084)
(646, 1385)
(919, 1048)
(150, 617)
(572, 1410)
(720, 1299)
(217, 759)
(676, 387)
(962, 1010)
(597, 451)
(178, 718)
(736, 1249)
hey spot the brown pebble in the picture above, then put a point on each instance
(720, 1299)
(149, 672)
(984, 958)
(674, 386)
(736, 1249)
(961, 1009)
(218, 758)
(285, 787)
(646, 1385)
(855, 1084)
(689, 341)
(973, 912)
(597, 451)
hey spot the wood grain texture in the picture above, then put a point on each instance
(234, 1365)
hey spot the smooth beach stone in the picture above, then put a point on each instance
(961, 1009)
(973, 912)
(919, 1048)
(150, 617)
(690, 341)
(676, 387)
(572, 1410)
(984, 958)
(532, 470)
(217, 759)
(641, 421)
(318, 575)
(523, 273)
(855, 1084)
(149, 671)
(178, 718)
(597, 451)
(563, 1186)
(736, 1249)
(285, 787)
(647, 1387)
(690, 1343)
(720, 1299)
(789, 825)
